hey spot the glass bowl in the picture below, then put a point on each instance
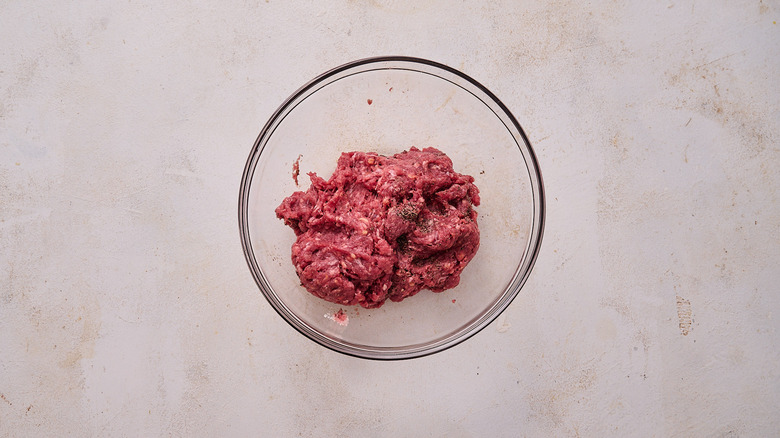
(387, 105)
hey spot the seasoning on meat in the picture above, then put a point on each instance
(383, 227)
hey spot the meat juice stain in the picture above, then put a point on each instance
(341, 318)
(296, 170)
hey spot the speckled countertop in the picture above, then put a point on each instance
(127, 309)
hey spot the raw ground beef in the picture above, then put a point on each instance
(383, 227)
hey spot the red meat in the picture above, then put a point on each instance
(383, 227)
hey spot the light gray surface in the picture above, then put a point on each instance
(126, 307)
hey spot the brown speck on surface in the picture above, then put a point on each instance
(684, 315)
(2, 396)
(369, 101)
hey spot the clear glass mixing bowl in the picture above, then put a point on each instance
(387, 105)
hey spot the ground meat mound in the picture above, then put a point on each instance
(383, 227)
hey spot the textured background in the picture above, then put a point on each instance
(126, 307)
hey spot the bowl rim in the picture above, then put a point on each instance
(381, 353)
